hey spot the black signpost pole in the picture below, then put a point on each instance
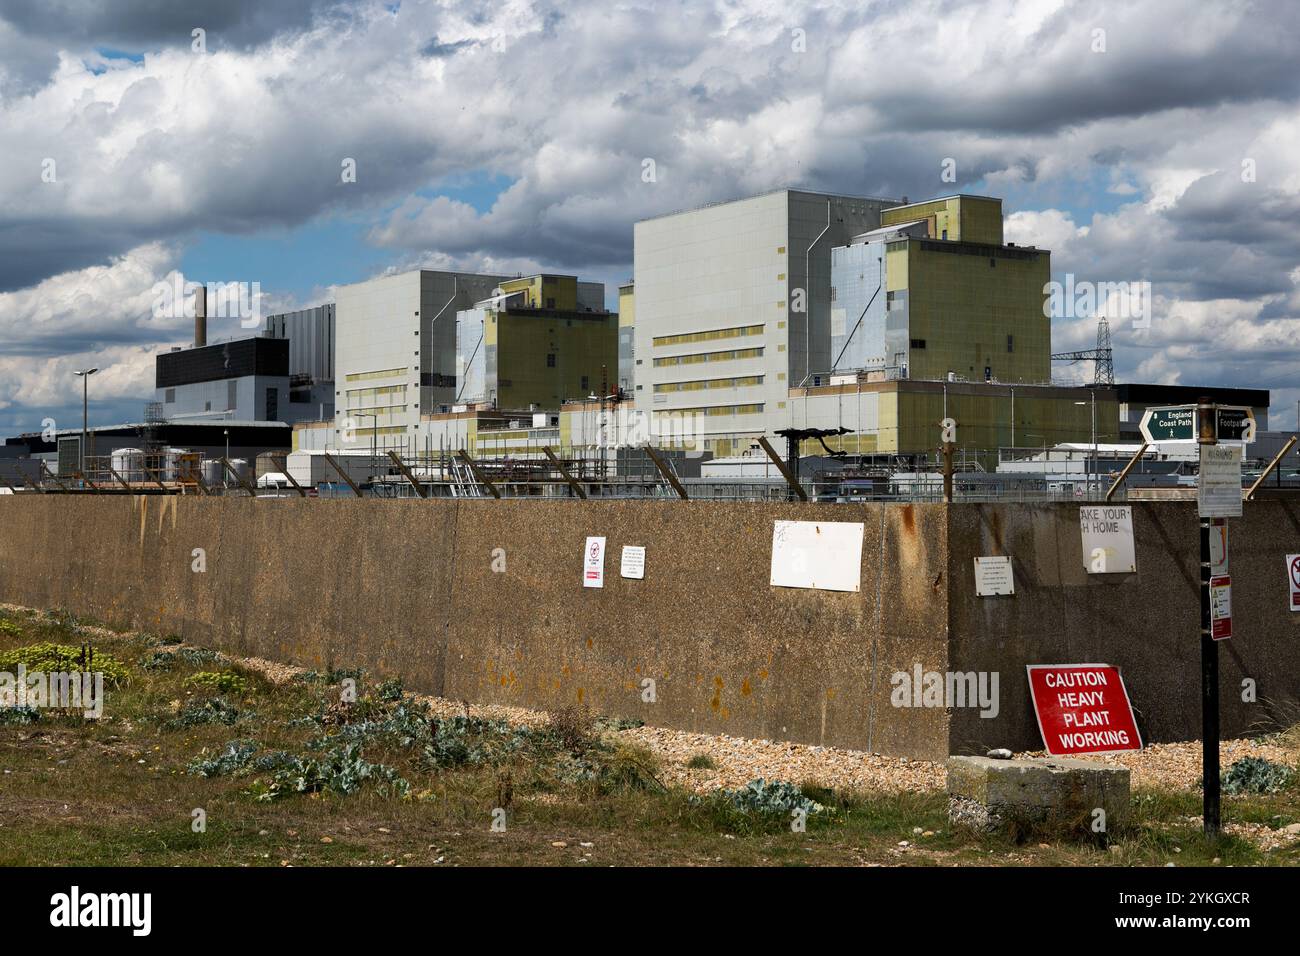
(1209, 657)
(1209, 695)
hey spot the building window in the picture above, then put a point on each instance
(550, 360)
(550, 303)
(272, 404)
(993, 263)
(688, 337)
(585, 386)
(1010, 343)
(918, 343)
(170, 396)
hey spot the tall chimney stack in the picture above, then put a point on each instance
(201, 316)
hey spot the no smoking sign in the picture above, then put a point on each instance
(1293, 578)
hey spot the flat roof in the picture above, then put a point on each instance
(1135, 392)
(925, 202)
(772, 192)
(125, 426)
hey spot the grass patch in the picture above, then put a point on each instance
(295, 775)
(49, 658)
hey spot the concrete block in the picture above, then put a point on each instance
(1050, 794)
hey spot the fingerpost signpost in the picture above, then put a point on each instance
(1218, 497)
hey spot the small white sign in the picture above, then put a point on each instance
(1107, 532)
(1218, 487)
(633, 561)
(1219, 547)
(593, 563)
(1293, 578)
(826, 555)
(993, 576)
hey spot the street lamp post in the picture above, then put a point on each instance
(84, 375)
(1092, 462)
(1096, 468)
(225, 475)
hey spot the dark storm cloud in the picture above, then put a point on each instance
(133, 24)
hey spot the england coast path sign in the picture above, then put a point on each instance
(1175, 423)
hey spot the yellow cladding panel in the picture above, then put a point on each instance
(896, 271)
(527, 285)
(544, 360)
(1042, 417)
(981, 220)
(546, 291)
(974, 312)
(866, 443)
(955, 218)
(626, 307)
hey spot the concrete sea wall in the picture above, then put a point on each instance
(483, 600)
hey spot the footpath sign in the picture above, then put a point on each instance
(1293, 578)
(1234, 423)
(1082, 709)
(1173, 423)
(1181, 423)
(593, 563)
(1218, 487)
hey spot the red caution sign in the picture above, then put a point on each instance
(1221, 607)
(1082, 709)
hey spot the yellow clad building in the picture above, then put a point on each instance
(535, 343)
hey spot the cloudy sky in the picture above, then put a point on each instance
(1153, 142)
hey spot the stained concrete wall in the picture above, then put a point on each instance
(407, 588)
(1146, 623)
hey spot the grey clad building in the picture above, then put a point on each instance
(733, 308)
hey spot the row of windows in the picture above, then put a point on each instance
(368, 410)
(382, 373)
(724, 356)
(711, 411)
(686, 337)
(737, 382)
(367, 394)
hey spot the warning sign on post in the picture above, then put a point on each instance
(1218, 487)
(1221, 607)
(1082, 709)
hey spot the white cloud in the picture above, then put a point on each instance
(566, 102)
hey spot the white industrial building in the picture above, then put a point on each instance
(396, 352)
(733, 307)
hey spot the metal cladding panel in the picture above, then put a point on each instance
(243, 357)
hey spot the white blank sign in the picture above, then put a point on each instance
(826, 555)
